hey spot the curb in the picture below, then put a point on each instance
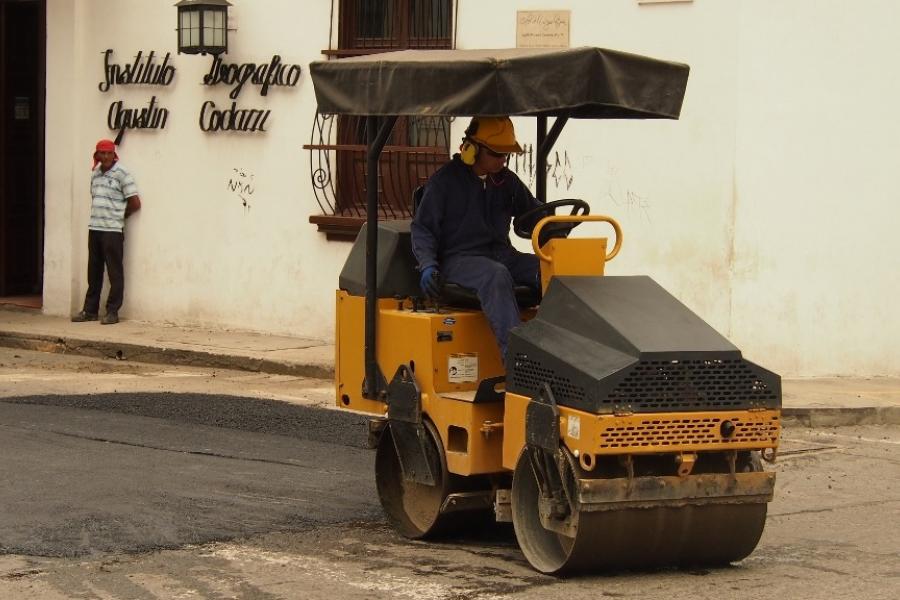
(792, 416)
(841, 417)
(162, 356)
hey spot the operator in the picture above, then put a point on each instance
(460, 232)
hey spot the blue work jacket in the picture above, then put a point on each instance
(463, 215)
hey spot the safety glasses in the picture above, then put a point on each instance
(503, 155)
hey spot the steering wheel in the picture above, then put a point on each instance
(524, 224)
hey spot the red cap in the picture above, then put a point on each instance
(104, 146)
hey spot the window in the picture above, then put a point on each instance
(417, 146)
(377, 25)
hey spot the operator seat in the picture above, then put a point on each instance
(462, 297)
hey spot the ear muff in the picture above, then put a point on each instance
(468, 153)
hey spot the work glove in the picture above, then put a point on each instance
(430, 281)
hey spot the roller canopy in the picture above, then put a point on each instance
(589, 83)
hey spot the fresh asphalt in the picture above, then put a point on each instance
(110, 473)
(286, 493)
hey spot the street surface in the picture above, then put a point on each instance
(122, 480)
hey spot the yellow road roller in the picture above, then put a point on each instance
(620, 430)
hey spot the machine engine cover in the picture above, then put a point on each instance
(623, 344)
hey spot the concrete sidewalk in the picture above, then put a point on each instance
(167, 344)
(810, 401)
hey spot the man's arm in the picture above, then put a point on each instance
(134, 205)
(130, 191)
(426, 228)
(523, 201)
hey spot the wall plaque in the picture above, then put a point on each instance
(542, 28)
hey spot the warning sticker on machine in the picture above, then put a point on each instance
(573, 427)
(462, 368)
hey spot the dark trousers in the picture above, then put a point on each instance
(105, 248)
(493, 279)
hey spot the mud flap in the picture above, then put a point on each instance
(543, 451)
(418, 458)
(542, 421)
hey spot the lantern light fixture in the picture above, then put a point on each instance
(203, 26)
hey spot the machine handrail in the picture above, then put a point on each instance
(535, 235)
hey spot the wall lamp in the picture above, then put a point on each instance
(203, 26)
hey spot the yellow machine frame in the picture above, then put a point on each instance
(488, 438)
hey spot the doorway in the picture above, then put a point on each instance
(22, 71)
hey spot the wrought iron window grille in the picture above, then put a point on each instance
(417, 147)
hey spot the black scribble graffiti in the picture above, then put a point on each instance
(560, 170)
(523, 164)
(559, 167)
(624, 198)
(241, 184)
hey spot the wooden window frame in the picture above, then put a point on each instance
(337, 144)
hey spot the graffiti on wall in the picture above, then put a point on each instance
(561, 175)
(559, 170)
(241, 184)
(559, 167)
(622, 196)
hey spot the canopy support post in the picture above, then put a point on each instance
(545, 143)
(377, 132)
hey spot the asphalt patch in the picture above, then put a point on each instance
(98, 474)
(271, 417)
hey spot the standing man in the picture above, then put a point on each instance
(460, 233)
(114, 197)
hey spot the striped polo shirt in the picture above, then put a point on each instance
(108, 197)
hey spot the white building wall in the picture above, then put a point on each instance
(765, 208)
(817, 273)
(669, 183)
(194, 253)
(769, 207)
(61, 258)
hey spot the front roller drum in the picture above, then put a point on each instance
(629, 538)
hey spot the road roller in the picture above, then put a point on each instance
(619, 431)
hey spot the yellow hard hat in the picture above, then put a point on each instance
(496, 133)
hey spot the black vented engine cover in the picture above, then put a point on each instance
(624, 344)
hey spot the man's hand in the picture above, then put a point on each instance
(133, 204)
(431, 281)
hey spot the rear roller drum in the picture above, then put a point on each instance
(631, 538)
(413, 509)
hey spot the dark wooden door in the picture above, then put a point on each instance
(21, 146)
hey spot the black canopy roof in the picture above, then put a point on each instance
(590, 83)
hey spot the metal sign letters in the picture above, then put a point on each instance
(148, 70)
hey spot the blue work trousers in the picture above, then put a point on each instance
(493, 279)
